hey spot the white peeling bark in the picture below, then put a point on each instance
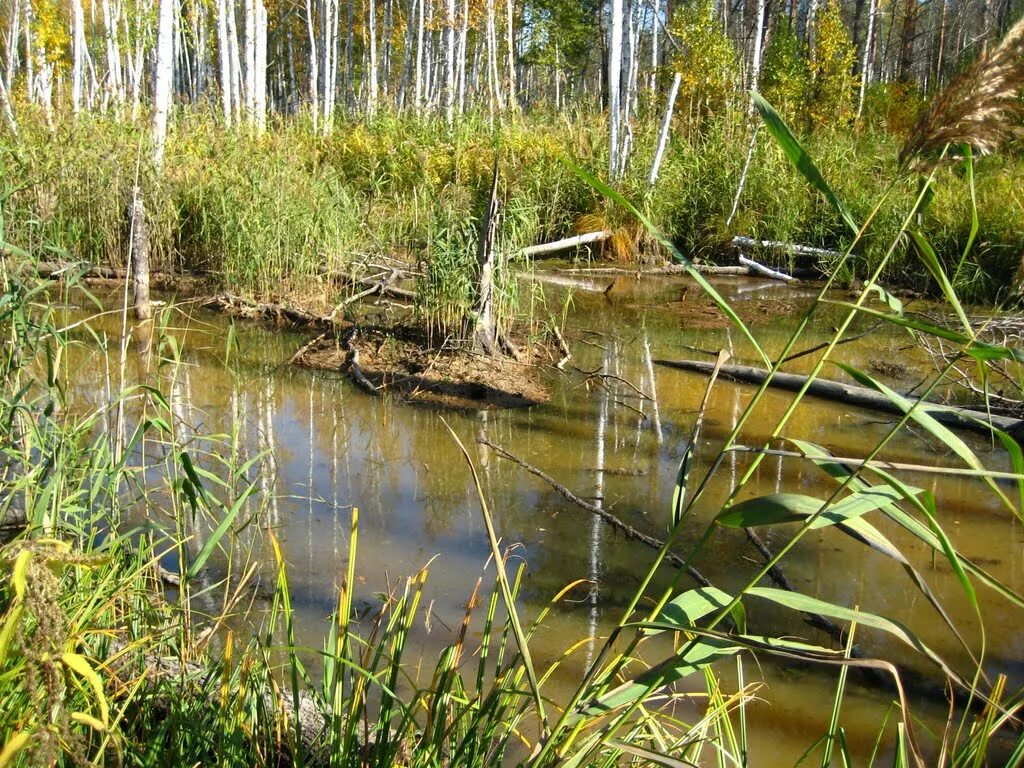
(163, 77)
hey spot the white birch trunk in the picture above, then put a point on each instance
(655, 24)
(236, 63)
(614, 81)
(866, 64)
(259, 99)
(420, 21)
(250, 61)
(449, 69)
(30, 77)
(371, 94)
(461, 57)
(5, 103)
(755, 59)
(513, 97)
(224, 56)
(666, 125)
(78, 53)
(314, 84)
(163, 77)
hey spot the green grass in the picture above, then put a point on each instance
(267, 215)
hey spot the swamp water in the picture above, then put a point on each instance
(327, 447)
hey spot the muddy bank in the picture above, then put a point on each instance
(401, 360)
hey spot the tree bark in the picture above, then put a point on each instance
(485, 332)
(138, 249)
(851, 394)
(163, 77)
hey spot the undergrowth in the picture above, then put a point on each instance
(269, 214)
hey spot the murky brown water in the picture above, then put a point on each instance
(330, 447)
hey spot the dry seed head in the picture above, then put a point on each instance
(981, 107)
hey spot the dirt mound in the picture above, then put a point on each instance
(401, 361)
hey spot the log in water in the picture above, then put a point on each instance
(951, 416)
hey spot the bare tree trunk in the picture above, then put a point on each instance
(420, 21)
(513, 98)
(259, 99)
(655, 23)
(666, 125)
(485, 331)
(371, 95)
(138, 255)
(163, 78)
(78, 54)
(236, 63)
(614, 81)
(449, 70)
(461, 57)
(224, 57)
(866, 66)
(314, 60)
(5, 102)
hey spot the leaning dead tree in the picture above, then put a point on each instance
(485, 324)
(138, 255)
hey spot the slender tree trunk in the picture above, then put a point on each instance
(250, 61)
(371, 95)
(138, 255)
(449, 69)
(236, 63)
(461, 57)
(78, 53)
(666, 125)
(513, 98)
(313, 62)
(224, 56)
(5, 103)
(614, 81)
(866, 65)
(260, 76)
(655, 24)
(163, 78)
(420, 21)
(755, 59)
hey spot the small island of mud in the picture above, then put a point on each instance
(400, 360)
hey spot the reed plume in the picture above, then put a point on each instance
(981, 107)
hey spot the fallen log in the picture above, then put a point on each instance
(667, 269)
(851, 394)
(567, 243)
(760, 269)
(265, 310)
(775, 245)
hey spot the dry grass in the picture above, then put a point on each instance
(980, 108)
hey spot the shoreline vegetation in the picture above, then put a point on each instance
(268, 215)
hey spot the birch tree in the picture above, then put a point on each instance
(163, 76)
(614, 81)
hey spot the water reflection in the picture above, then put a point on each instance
(321, 447)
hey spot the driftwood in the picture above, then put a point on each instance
(354, 369)
(607, 517)
(238, 305)
(775, 245)
(745, 267)
(760, 269)
(566, 243)
(562, 346)
(776, 574)
(851, 394)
